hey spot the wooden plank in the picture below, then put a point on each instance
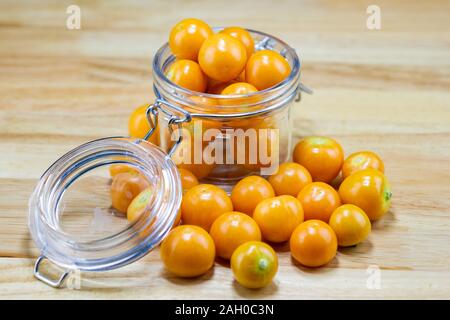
(147, 279)
(386, 91)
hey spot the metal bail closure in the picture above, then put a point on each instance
(175, 121)
(302, 88)
(55, 283)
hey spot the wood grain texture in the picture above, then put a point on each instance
(385, 90)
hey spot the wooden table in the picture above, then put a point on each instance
(385, 90)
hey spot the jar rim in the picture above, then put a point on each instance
(124, 246)
(277, 89)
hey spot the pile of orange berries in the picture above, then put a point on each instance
(297, 204)
(221, 63)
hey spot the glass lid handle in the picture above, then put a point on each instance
(177, 116)
(56, 283)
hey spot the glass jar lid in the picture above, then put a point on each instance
(77, 212)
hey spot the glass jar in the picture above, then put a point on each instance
(235, 136)
(72, 217)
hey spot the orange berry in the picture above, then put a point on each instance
(319, 200)
(187, 74)
(243, 36)
(232, 229)
(138, 125)
(322, 156)
(313, 243)
(125, 187)
(239, 88)
(115, 169)
(250, 191)
(138, 205)
(351, 225)
(361, 160)
(222, 57)
(186, 38)
(254, 264)
(188, 251)
(277, 217)
(203, 204)
(290, 179)
(188, 179)
(368, 189)
(266, 69)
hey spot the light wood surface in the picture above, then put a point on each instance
(385, 90)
